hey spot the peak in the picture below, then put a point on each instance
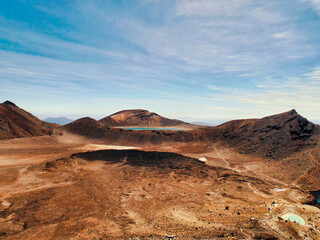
(292, 111)
(131, 111)
(9, 103)
(86, 119)
(284, 115)
(126, 114)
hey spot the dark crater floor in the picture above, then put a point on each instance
(153, 159)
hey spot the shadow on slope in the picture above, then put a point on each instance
(156, 160)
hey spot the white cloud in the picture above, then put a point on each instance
(214, 36)
(210, 7)
(217, 88)
(269, 97)
(315, 4)
(314, 75)
(221, 36)
(239, 9)
(180, 54)
(281, 35)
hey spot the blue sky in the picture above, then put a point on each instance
(190, 59)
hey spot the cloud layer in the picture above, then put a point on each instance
(201, 59)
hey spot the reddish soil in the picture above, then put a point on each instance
(68, 186)
(15, 122)
(139, 117)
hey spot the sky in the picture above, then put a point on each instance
(204, 60)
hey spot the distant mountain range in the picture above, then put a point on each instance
(58, 120)
(275, 136)
(136, 117)
(279, 137)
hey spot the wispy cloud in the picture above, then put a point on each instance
(202, 55)
(217, 88)
(314, 3)
(202, 35)
(301, 93)
(314, 75)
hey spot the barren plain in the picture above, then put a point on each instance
(158, 185)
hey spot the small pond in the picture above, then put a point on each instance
(317, 195)
(316, 201)
(293, 218)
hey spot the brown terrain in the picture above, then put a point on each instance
(91, 180)
(273, 137)
(139, 117)
(15, 122)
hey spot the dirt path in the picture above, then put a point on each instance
(221, 157)
(266, 177)
(257, 192)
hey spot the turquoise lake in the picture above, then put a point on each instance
(317, 194)
(146, 128)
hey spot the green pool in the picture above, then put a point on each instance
(294, 218)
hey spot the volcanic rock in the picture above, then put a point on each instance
(15, 122)
(139, 117)
(156, 160)
(275, 136)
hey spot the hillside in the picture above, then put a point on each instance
(16, 122)
(139, 117)
(86, 126)
(133, 194)
(91, 128)
(275, 136)
(191, 184)
(106, 128)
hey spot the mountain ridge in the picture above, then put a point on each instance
(139, 117)
(271, 136)
(16, 122)
(275, 136)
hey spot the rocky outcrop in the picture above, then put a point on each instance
(275, 136)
